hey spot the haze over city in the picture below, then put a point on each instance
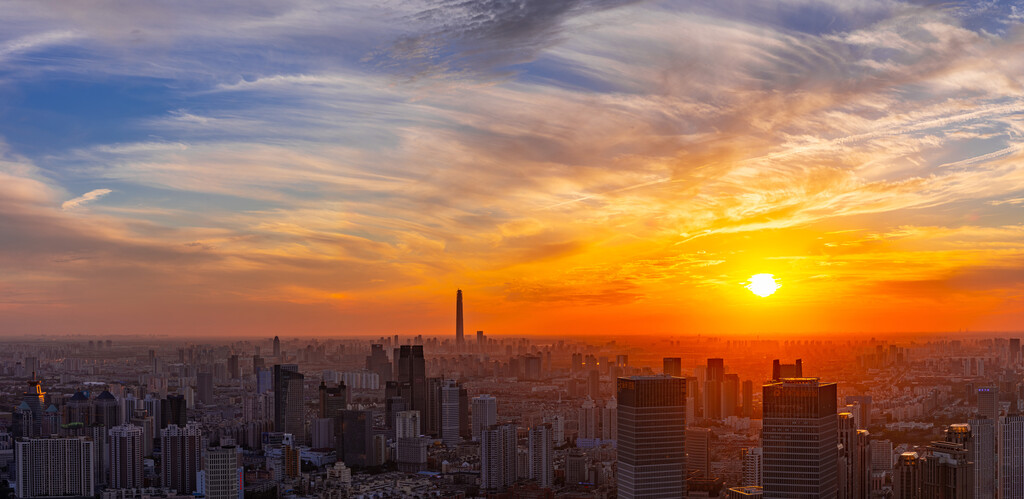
(583, 167)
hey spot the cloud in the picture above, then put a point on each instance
(86, 198)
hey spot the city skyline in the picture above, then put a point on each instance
(584, 167)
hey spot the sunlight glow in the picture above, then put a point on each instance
(762, 284)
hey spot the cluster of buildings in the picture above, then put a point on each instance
(511, 418)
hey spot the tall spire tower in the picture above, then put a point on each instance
(459, 337)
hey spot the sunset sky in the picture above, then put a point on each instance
(574, 166)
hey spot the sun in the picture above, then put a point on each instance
(762, 284)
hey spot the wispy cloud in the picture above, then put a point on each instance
(86, 198)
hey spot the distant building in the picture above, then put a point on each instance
(485, 414)
(289, 401)
(672, 366)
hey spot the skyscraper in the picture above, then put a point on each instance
(610, 420)
(498, 452)
(780, 370)
(182, 457)
(411, 385)
(204, 388)
(355, 440)
(988, 402)
(672, 366)
(485, 414)
(222, 473)
(333, 399)
(698, 453)
(289, 404)
(54, 467)
(715, 377)
(126, 456)
(459, 326)
(378, 362)
(450, 412)
(542, 455)
(752, 466)
(277, 347)
(588, 420)
(652, 437)
(907, 477)
(1011, 457)
(848, 484)
(946, 472)
(983, 455)
(800, 437)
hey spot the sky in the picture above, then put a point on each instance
(576, 167)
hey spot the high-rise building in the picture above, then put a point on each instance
(204, 388)
(407, 424)
(730, 395)
(173, 410)
(988, 402)
(289, 403)
(234, 370)
(983, 455)
(848, 484)
(714, 379)
(610, 420)
(355, 440)
(485, 414)
(575, 468)
(277, 347)
(652, 437)
(698, 452)
(780, 370)
(752, 466)
(863, 403)
(450, 412)
(672, 366)
(378, 362)
(333, 399)
(542, 455)
(907, 477)
(182, 457)
(594, 384)
(222, 473)
(498, 453)
(411, 385)
(1011, 456)
(800, 436)
(54, 467)
(33, 398)
(946, 472)
(107, 410)
(881, 454)
(459, 325)
(126, 457)
(747, 409)
(588, 420)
